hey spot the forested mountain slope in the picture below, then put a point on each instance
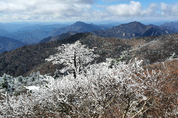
(58, 37)
(27, 59)
(20, 61)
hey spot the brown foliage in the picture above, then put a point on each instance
(168, 101)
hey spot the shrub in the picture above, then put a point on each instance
(126, 89)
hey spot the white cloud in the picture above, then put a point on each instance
(135, 10)
(114, 0)
(132, 9)
(169, 9)
(151, 10)
(72, 10)
(43, 9)
(40, 5)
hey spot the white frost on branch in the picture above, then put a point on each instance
(95, 89)
(73, 56)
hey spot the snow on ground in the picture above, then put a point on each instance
(32, 87)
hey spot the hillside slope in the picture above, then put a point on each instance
(20, 61)
(27, 59)
(7, 44)
(155, 49)
(58, 37)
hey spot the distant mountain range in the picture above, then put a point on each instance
(38, 33)
(171, 24)
(31, 37)
(3, 32)
(31, 34)
(134, 29)
(124, 31)
(7, 44)
(34, 34)
(42, 27)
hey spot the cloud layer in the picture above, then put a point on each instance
(132, 9)
(69, 10)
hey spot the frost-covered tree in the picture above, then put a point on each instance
(173, 56)
(108, 89)
(15, 85)
(125, 56)
(73, 56)
(127, 89)
(6, 82)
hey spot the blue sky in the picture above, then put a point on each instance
(145, 3)
(88, 10)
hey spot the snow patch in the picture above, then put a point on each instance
(32, 87)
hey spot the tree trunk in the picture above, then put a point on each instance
(75, 65)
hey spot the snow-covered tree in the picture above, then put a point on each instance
(125, 56)
(173, 56)
(73, 56)
(7, 82)
(108, 89)
(97, 92)
(15, 85)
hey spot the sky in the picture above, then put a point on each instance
(88, 10)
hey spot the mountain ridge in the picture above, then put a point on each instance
(36, 33)
(31, 58)
(58, 37)
(134, 29)
(78, 26)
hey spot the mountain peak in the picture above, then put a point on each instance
(136, 23)
(79, 23)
